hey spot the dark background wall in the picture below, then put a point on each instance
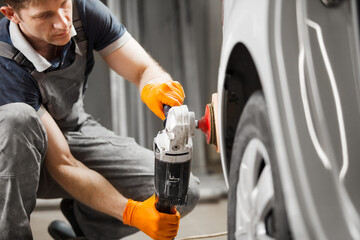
(184, 36)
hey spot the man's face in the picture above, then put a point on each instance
(47, 23)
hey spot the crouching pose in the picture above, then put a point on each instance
(50, 147)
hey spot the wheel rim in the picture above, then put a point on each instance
(254, 194)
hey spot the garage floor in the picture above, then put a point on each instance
(208, 217)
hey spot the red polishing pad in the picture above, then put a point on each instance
(207, 124)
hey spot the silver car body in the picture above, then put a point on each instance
(307, 60)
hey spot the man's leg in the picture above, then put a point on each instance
(23, 145)
(128, 166)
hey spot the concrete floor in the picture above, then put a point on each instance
(208, 217)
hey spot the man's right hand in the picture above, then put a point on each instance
(156, 94)
(145, 217)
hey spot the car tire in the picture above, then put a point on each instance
(256, 207)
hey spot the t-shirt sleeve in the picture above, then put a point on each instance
(16, 85)
(102, 28)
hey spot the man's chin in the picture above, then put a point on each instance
(61, 41)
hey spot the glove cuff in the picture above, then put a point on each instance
(129, 212)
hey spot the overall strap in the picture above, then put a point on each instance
(9, 51)
(80, 34)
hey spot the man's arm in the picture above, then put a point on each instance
(82, 183)
(133, 63)
(155, 85)
(92, 189)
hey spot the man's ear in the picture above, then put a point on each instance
(10, 13)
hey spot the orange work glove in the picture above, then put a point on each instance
(156, 94)
(145, 217)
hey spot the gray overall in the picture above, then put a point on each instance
(23, 142)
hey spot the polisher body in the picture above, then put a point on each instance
(173, 153)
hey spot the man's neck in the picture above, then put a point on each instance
(53, 53)
(49, 52)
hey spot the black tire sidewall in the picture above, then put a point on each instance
(254, 123)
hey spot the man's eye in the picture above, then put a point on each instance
(42, 15)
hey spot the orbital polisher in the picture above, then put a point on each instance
(173, 148)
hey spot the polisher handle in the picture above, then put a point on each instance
(164, 207)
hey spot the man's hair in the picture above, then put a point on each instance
(20, 4)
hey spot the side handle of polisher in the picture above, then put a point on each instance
(166, 111)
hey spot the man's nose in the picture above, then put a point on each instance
(62, 21)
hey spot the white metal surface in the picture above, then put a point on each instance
(247, 22)
(308, 73)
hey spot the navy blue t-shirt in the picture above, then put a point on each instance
(101, 29)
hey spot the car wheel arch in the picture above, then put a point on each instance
(241, 80)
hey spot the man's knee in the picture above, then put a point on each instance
(193, 196)
(16, 115)
(22, 138)
(194, 190)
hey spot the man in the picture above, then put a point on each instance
(49, 147)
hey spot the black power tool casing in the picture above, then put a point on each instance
(173, 153)
(171, 184)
